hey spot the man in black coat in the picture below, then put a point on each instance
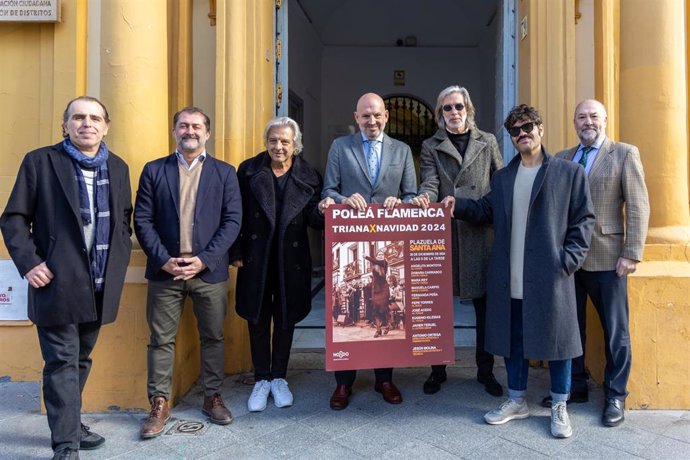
(67, 228)
(187, 214)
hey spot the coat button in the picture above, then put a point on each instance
(297, 267)
(295, 244)
(253, 236)
(256, 214)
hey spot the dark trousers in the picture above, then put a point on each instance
(609, 294)
(484, 360)
(270, 358)
(66, 350)
(348, 377)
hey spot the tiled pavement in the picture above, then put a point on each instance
(446, 425)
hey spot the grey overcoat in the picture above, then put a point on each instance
(446, 173)
(559, 228)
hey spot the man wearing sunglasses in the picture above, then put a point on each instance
(616, 179)
(543, 220)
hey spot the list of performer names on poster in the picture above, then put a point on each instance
(427, 259)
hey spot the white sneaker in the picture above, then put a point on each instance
(282, 397)
(560, 422)
(506, 412)
(259, 397)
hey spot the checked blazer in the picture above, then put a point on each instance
(621, 205)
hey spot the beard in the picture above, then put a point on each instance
(588, 136)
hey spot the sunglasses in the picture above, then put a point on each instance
(527, 128)
(449, 107)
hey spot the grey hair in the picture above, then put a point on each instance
(469, 107)
(281, 122)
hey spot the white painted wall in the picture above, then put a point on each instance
(349, 72)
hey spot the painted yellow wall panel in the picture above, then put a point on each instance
(660, 333)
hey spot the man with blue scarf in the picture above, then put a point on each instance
(67, 228)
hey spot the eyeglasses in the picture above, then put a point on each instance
(449, 107)
(514, 131)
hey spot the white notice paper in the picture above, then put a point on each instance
(13, 293)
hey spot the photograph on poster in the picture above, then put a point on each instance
(368, 301)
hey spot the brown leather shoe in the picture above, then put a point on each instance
(339, 398)
(390, 392)
(159, 415)
(216, 410)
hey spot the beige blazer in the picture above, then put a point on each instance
(621, 205)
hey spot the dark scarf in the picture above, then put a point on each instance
(101, 243)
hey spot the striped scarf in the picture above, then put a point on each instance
(101, 244)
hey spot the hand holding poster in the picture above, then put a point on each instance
(388, 287)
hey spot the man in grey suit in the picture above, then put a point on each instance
(368, 167)
(616, 182)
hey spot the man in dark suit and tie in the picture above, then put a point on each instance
(621, 205)
(187, 214)
(368, 167)
(67, 228)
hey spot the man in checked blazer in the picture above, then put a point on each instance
(621, 206)
(368, 167)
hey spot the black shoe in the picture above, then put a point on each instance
(614, 412)
(66, 454)
(576, 397)
(491, 385)
(89, 439)
(433, 383)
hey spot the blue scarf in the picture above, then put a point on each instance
(101, 244)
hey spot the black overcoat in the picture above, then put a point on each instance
(41, 222)
(253, 247)
(560, 222)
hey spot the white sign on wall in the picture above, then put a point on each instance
(13, 292)
(29, 10)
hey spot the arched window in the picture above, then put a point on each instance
(411, 121)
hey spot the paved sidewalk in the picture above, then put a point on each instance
(448, 424)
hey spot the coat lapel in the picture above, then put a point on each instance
(65, 172)
(539, 180)
(386, 157)
(208, 173)
(357, 152)
(603, 158)
(474, 148)
(172, 176)
(114, 193)
(297, 194)
(508, 188)
(261, 185)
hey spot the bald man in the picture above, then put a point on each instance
(621, 206)
(368, 167)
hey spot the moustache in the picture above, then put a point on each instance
(190, 137)
(526, 136)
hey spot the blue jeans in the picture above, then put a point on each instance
(517, 367)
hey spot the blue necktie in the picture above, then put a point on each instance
(373, 160)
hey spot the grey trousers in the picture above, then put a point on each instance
(164, 306)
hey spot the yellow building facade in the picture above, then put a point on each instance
(144, 59)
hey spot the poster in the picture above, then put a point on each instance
(13, 293)
(389, 292)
